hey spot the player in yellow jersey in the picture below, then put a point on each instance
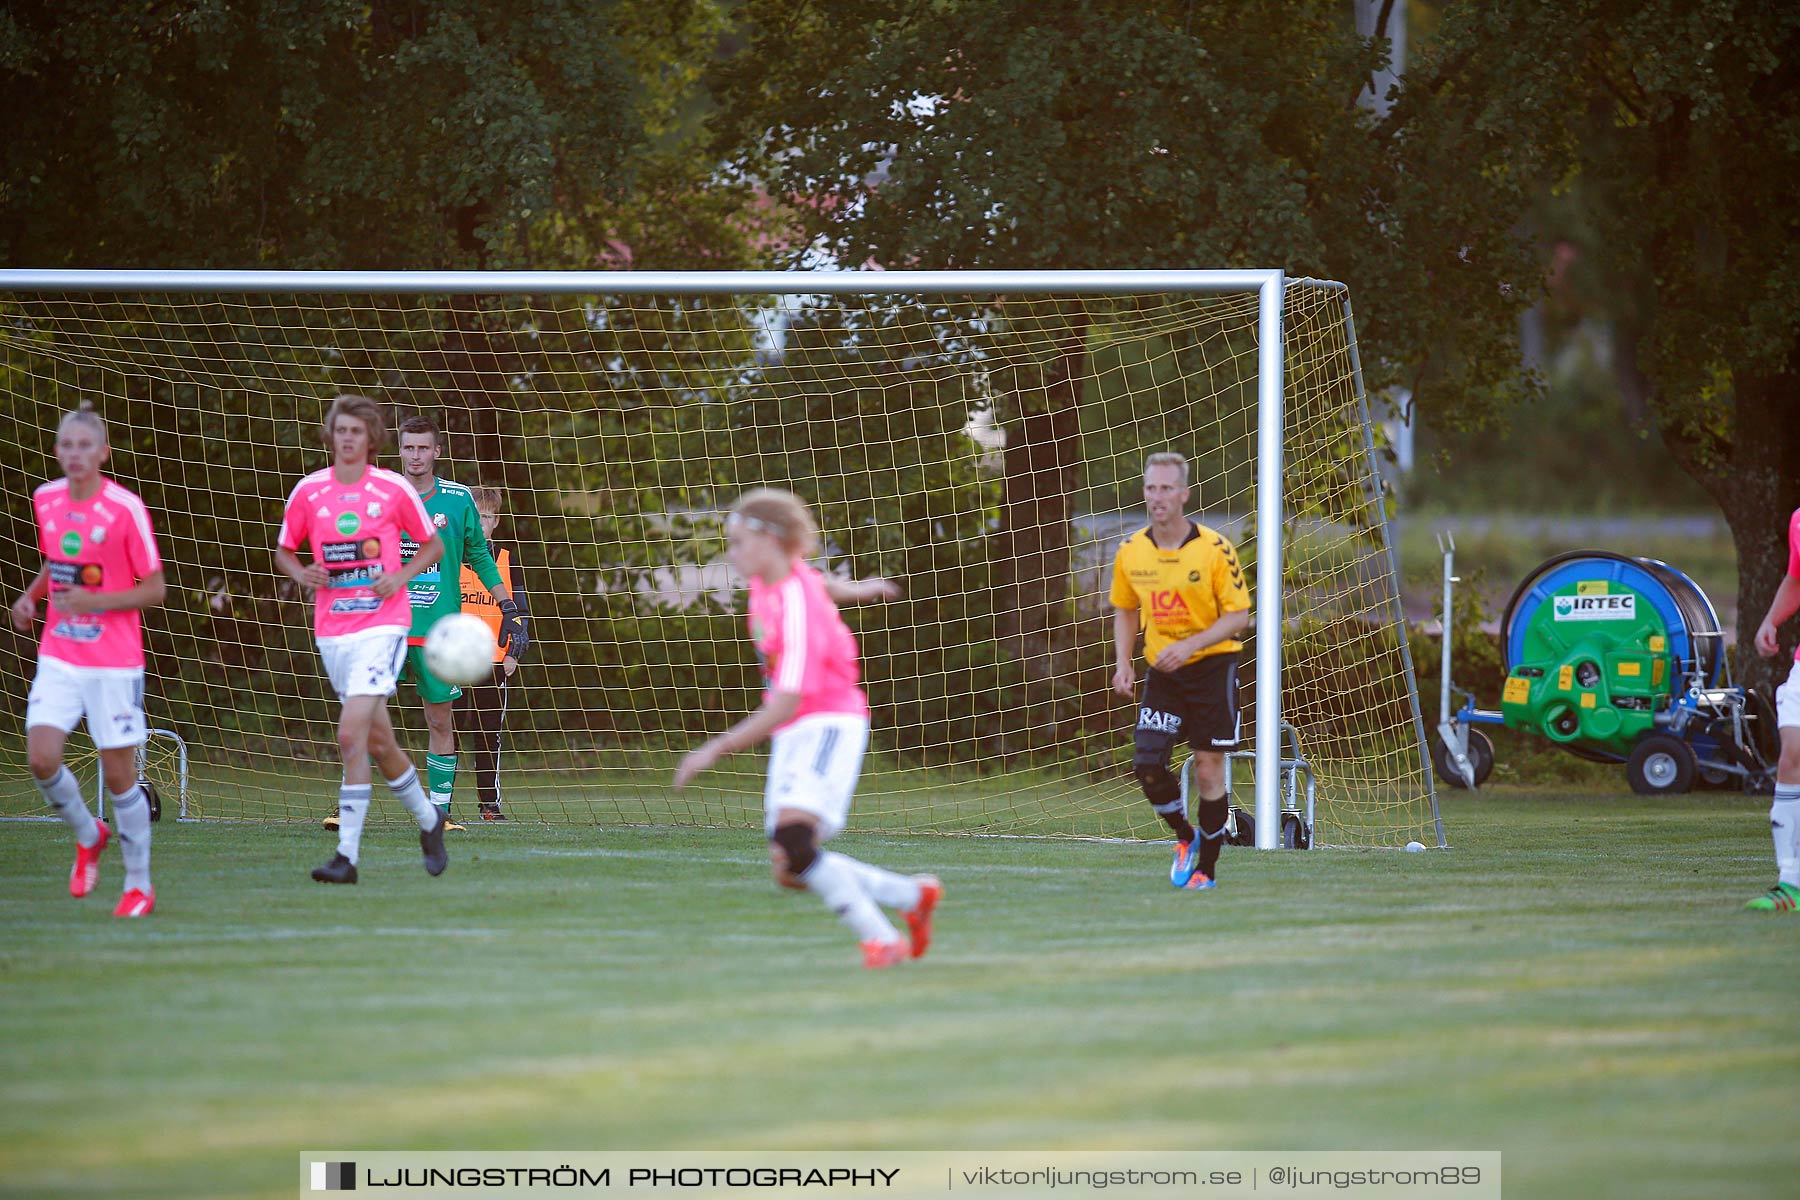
(1181, 583)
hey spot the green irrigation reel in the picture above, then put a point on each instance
(1614, 659)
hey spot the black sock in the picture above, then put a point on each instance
(1184, 832)
(1212, 814)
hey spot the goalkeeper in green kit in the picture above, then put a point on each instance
(437, 592)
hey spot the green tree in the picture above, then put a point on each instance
(1673, 130)
(341, 134)
(1101, 134)
(337, 134)
(351, 135)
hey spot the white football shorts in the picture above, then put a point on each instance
(365, 664)
(112, 699)
(813, 766)
(1787, 699)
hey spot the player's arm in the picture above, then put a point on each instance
(413, 521)
(520, 641)
(1176, 654)
(24, 609)
(147, 592)
(148, 587)
(1232, 600)
(1125, 632)
(1229, 626)
(517, 587)
(430, 551)
(1127, 619)
(1783, 606)
(308, 576)
(860, 591)
(1232, 595)
(480, 558)
(754, 729)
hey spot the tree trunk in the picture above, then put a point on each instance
(1758, 491)
(1043, 471)
(476, 358)
(473, 364)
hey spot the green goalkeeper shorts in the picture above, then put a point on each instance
(432, 690)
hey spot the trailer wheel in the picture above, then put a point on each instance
(154, 798)
(1661, 765)
(1712, 777)
(1481, 757)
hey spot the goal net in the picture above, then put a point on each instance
(983, 448)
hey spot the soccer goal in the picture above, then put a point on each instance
(978, 436)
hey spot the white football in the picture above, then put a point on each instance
(460, 649)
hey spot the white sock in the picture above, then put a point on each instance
(884, 887)
(832, 880)
(131, 814)
(1784, 825)
(406, 789)
(353, 810)
(62, 793)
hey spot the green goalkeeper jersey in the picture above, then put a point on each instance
(451, 508)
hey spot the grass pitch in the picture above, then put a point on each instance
(1572, 984)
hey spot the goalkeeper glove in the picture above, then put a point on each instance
(512, 628)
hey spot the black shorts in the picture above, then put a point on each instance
(1198, 702)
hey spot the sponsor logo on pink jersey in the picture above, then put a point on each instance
(355, 533)
(102, 544)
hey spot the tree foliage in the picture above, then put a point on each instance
(1110, 134)
(336, 134)
(470, 136)
(1117, 134)
(900, 133)
(1668, 135)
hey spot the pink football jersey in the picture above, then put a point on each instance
(805, 646)
(101, 544)
(354, 530)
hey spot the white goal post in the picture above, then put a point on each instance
(1272, 292)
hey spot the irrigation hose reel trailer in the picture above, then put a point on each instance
(1614, 659)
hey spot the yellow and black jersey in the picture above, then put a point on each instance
(1180, 591)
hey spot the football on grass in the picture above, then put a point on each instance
(460, 649)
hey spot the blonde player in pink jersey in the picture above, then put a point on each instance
(101, 570)
(353, 514)
(1784, 812)
(818, 717)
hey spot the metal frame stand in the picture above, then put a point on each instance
(143, 757)
(1297, 780)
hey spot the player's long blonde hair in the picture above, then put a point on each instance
(782, 515)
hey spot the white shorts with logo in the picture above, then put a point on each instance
(112, 699)
(1787, 699)
(365, 664)
(813, 766)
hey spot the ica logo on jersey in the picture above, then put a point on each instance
(1166, 602)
